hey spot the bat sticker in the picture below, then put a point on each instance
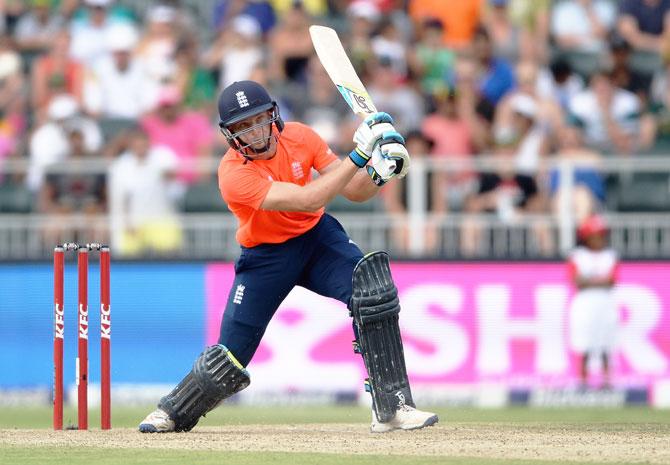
(355, 99)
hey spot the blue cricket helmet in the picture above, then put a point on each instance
(243, 99)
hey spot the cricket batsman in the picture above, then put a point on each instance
(287, 240)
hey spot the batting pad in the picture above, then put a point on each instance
(216, 375)
(375, 307)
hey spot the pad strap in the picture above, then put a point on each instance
(375, 307)
(216, 375)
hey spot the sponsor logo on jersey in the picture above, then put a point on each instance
(296, 168)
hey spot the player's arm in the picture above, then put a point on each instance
(579, 281)
(376, 129)
(591, 283)
(359, 189)
(316, 194)
(610, 280)
(286, 196)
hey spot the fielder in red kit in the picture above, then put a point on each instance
(593, 269)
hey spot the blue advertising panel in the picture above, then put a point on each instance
(157, 322)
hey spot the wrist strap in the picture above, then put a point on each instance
(375, 177)
(359, 158)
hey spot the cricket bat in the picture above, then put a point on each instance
(335, 61)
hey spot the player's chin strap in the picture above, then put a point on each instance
(375, 307)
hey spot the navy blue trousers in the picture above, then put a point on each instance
(321, 260)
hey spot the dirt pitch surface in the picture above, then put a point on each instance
(605, 443)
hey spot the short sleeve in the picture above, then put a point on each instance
(244, 186)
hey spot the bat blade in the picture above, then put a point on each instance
(335, 61)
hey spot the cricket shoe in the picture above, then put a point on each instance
(406, 418)
(157, 422)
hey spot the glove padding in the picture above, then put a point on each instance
(393, 148)
(380, 169)
(389, 158)
(367, 135)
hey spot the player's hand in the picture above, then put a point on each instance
(380, 169)
(367, 135)
(389, 158)
(392, 147)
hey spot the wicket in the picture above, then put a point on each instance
(82, 356)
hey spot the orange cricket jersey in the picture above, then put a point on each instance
(244, 184)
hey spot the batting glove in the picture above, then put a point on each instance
(392, 147)
(369, 132)
(389, 159)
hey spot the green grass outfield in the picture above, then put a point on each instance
(602, 421)
(40, 417)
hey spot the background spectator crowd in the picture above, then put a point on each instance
(133, 85)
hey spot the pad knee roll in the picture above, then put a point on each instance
(375, 307)
(216, 375)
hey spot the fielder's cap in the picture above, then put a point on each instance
(62, 106)
(524, 105)
(98, 3)
(121, 37)
(247, 26)
(591, 226)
